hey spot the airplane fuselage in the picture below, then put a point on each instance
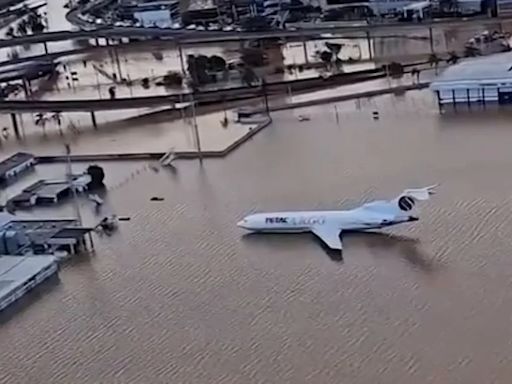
(328, 225)
(304, 221)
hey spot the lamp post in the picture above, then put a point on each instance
(70, 180)
(196, 130)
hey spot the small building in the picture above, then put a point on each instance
(20, 274)
(44, 192)
(19, 236)
(480, 80)
(15, 165)
(201, 11)
(152, 13)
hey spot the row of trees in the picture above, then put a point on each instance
(33, 23)
(204, 69)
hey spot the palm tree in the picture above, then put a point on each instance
(41, 121)
(22, 29)
(57, 118)
(453, 58)
(10, 32)
(434, 60)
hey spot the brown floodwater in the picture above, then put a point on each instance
(180, 295)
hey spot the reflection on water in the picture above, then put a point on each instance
(179, 294)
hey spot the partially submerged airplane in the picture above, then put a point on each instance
(328, 225)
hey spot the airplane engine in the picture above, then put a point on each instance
(406, 203)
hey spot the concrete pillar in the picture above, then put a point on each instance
(15, 126)
(306, 60)
(431, 39)
(180, 51)
(369, 41)
(93, 118)
(25, 88)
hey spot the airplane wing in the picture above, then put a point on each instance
(330, 236)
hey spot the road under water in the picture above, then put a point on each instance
(180, 294)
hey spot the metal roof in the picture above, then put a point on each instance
(6, 218)
(15, 270)
(74, 233)
(13, 161)
(488, 69)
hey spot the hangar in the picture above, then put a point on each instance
(479, 80)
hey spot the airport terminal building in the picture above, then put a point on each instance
(480, 80)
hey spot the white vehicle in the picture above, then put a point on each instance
(176, 26)
(228, 28)
(214, 27)
(328, 225)
(191, 27)
(200, 28)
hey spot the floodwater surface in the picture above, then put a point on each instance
(181, 295)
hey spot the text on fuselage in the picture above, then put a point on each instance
(301, 220)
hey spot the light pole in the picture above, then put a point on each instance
(196, 130)
(70, 180)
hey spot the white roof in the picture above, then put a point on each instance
(418, 5)
(15, 270)
(6, 218)
(481, 69)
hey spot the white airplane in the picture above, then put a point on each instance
(328, 225)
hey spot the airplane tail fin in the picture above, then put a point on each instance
(408, 198)
(421, 193)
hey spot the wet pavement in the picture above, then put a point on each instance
(157, 130)
(127, 132)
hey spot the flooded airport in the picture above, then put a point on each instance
(180, 294)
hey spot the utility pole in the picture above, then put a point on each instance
(196, 130)
(70, 180)
(265, 98)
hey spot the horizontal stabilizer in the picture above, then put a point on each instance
(420, 193)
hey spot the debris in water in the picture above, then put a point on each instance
(156, 198)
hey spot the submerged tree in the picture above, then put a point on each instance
(453, 58)
(253, 57)
(41, 120)
(10, 32)
(216, 64)
(97, 176)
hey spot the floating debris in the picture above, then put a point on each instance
(96, 199)
(107, 225)
(168, 157)
(156, 198)
(303, 118)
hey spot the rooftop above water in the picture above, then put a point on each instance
(492, 67)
